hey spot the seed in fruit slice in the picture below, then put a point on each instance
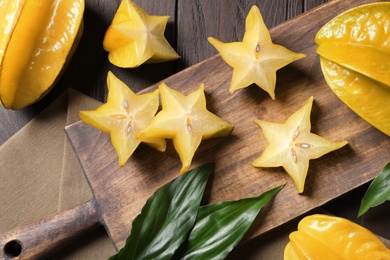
(291, 145)
(256, 59)
(355, 60)
(186, 121)
(123, 116)
(134, 38)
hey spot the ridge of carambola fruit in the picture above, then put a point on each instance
(355, 60)
(42, 40)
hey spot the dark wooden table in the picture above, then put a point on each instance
(191, 22)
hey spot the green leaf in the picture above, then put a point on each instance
(167, 217)
(220, 227)
(378, 191)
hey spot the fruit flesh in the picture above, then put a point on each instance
(134, 37)
(186, 121)
(256, 59)
(291, 145)
(123, 116)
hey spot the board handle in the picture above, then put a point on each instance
(39, 239)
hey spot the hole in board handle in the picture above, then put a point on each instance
(13, 248)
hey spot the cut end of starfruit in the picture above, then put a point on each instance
(185, 120)
(291, 145)
(123, 116)
(355, 60)
(135, 38)
(256, 59)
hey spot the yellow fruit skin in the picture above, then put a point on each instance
(368, 61)
(366, 25)
(11, 10)
(365, 96)
(327, 237)
(354, 50)
(42, 42)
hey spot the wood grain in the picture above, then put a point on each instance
(224, 20)
(310, 4)
(121, 191)
(40, 239)
(88, 68)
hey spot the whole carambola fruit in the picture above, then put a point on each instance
(37, 40)
(354, 53)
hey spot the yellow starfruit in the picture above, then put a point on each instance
(256, 59)
(123, 116)
(291, 145)
(11, 10)
(354, 54)
(134, 38)
(326, 237)
(186, 121)
(37, 40)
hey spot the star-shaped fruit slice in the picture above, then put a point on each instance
(123, 116)
(256, 59)
(134, 38)
(291, 145)
(186, 121)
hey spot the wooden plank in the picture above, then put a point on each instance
(225, 20)
(90, 59)
(310, 4)
(122, 191)
(222, 19)
(88, 68)
(294, 8)
(41, 238)
(87, 71)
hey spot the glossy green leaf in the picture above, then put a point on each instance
(167, 217)
(378, 191)
(220, 227)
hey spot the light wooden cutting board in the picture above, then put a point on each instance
(122, 191)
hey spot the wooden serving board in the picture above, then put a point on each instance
(120, 192)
